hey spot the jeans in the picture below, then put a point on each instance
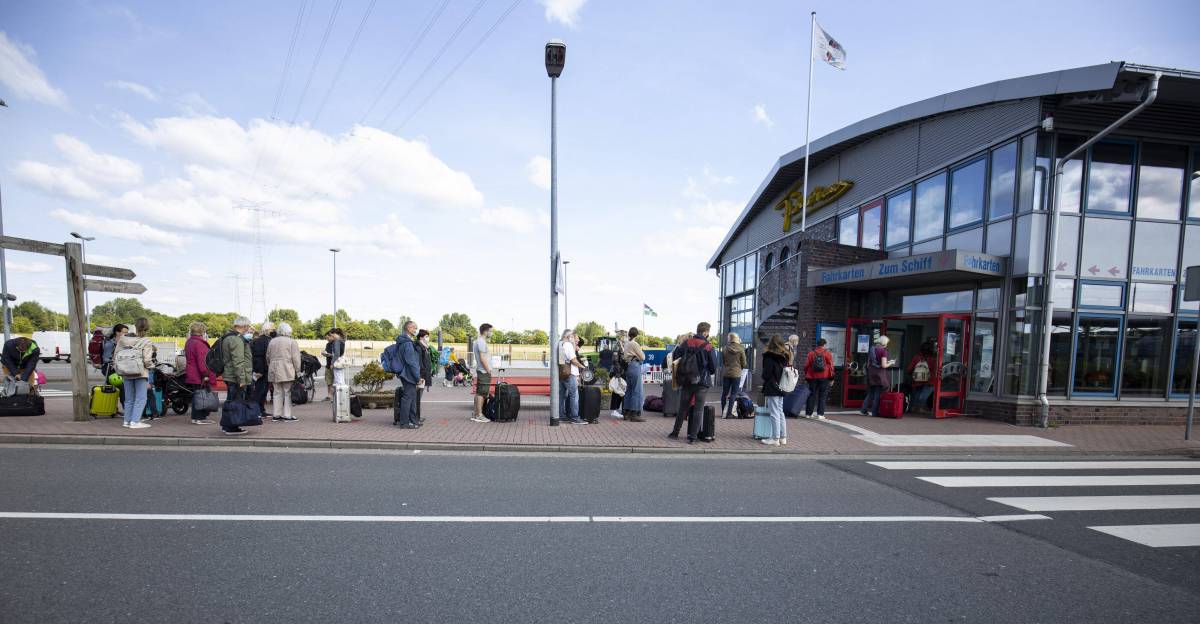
(406, 405)
(260, 393)
(135, 398)
(818, 392)
(871, 403)
(695, 414)
(778, 422)
(420, 394)
(568, 398)
(282, 402)
(635, 392)
(729, 390)
(921, 396)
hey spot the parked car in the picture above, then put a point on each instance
(55, 345)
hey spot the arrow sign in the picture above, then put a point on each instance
(124, 288)
(107, 271)
(1093, 269)
(1114, 271)
(32, 246)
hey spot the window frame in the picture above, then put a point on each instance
(1174, 350)
(1016, 186)
(1137, 181)
(1080, 283)
(945, 174)
(1192, 167)
(1118, 365)
(878, 202)
(887, 212)
(768, 262)
(984, 208)
(1086, 189)
(857, 214)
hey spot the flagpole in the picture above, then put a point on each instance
(812, 39)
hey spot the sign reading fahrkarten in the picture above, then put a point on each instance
(936, 262)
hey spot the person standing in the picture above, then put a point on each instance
(196, 374)
(109, 347)
(733, 362)
(920, 374)
(424, 354)
(635, 391)
(568, 367)
(616, 369)
(335, 347)
(775, 359)
(483, 371)
(258, 356)
(239, 368)
(877, 376)
(695, 363)
(793, 350)
(136, 349)
(410, 378)
(818, 370)
(283, 365)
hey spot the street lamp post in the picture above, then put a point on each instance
(566, 297)
(87, 309)
(335, 251)
(4, 270)
(556, 57)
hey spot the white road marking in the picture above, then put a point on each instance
(1100, 503)
(507, 519)
(880, 439)
(1033, 465)
(1156, 535)
(1063, 481)
(51, 393)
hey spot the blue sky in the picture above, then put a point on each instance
(148, 124)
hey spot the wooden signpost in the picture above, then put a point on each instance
(76, 314)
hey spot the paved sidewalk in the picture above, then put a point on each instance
(447, 411)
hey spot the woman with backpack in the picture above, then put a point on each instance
(776, 358)
(733, 358)
(283, 366)
(877, 376)
(633, 357)
(134, 361)
(196, 373)
(818, 370)
(920, 374)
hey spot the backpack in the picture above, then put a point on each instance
(688, 371)
(128, 361)
(213, 360)
(96, 348)
(818, 364)
(921, 371)
(789, 379)
(390, 359)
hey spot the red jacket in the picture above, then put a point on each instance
(195, 350)
(809, 373)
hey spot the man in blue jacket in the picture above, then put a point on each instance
(410, 376)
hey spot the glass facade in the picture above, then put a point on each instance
(1097, 352)
(872, 222)
(899, 218)
(930, 215)
(1002, 185)
(1110, 177)
(1160, 181)
(967, 187)
(848, 229)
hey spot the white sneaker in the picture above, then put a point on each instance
(480, 419)
(820, 417)
(616, 414)
(139, 425)
(125, 424)
(782, 441)
(769, 442)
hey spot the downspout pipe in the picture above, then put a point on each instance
(1052, 254)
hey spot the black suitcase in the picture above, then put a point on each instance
(355, 407)
(24, 404)
(708, 432)
(670, 398)
(589, 403)
(508, 402)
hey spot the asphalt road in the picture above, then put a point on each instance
(481, 554)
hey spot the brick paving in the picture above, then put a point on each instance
(447, 411)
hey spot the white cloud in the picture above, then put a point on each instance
(85, 175)
(27, 267)
(563, 11)
(61, 181)
(515, 219)
(198, 273)
(22, 76)
(104, 259)
(193, 104)
(119, 228)
(538, 169)
(135, 88)
(761, 116)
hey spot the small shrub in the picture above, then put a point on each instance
(372, 377)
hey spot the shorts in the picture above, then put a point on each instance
(328, 375)
(483, 383)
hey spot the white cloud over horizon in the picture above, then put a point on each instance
(23, 77)
(565, 12)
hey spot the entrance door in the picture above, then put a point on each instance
(860, 333)
(950, 381)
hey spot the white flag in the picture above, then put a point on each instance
(826, 48)
(560, 285)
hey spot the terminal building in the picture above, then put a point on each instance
(929, 223)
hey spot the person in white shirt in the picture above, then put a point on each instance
(568, 375)
(483, 371)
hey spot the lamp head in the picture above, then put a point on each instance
(334, 249)
(556, 57)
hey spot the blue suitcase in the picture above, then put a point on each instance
(794, 404)
(763, 427)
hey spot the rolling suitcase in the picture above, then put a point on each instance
(794, 404)
(708, 432)
(104, 401)
(763, 426)
(154, 404)
(355, 407)
(508, 402)
(22, 404)
(891, 402)
(670, 397)
(341, 403)
(589, 403)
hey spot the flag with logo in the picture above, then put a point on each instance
(826, 48)
(648, 311)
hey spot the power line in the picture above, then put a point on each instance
(430, 20)
(342, 65)
(337, 6)
(287, 67)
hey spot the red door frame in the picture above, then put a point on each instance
(963, 347)
(851, 324)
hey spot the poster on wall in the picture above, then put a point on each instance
(864, 343)
(951, 343)
(835, 342)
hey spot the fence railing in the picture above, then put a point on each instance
(777, 288)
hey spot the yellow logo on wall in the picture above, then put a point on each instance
(793, 203)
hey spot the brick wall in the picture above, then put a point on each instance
(1028, 413)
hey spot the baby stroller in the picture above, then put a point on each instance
(176, 393)
(309, 365)
(463, 376)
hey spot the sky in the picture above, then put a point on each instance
(415, 137)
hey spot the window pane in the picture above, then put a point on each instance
(848, 229)
(1029, 243)
(1105, 248)
(727, 275)
(970, 240)
(1194, 192)
(768, 261)
(1060, 354)
(1101, 295)
(1147, 353)
(871, 221)
(1153, 298)
(1185, 347)
(1064, 293)
(899, 216)
(928, 246)
(966, 193)
(783, 254)
(1155, 251)
(937, 302)
(1160, 181)
(1022, 341)
(1110, 177)
(989, 299)
(1068, 245)
(1071, 187)
(1191, 257)
(931, 208)
(1097, 346)
(983, 355)
(751, 271)
(999, 238)
(1003, 181)
(1035, 166)
(737, 275)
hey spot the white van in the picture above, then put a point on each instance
(55, 345)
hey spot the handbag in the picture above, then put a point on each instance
(204, 401)
(617, 386)
(340, 362)
(789, 379)
(241, 412)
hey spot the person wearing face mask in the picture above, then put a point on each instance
(426, 380)
(196, 374)
(405, 415)
(238, 373)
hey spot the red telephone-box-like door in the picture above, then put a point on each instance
(950, 377)
(860, 334)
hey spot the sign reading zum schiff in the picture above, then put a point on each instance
(936, 262)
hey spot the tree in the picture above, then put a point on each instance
(457, 327)
(22, 325)
(535, 337)
(120, 310)
(589, 331)
(284, 315)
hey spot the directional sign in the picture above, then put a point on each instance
(107, 271)
(125, 288)
(32, 246)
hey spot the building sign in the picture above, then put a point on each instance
(792, 204)
(1154, 272)
(936, 262)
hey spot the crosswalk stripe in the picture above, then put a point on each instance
(1034, 465)
(51, 393)
(1063, 481)
(1100, 503)
(1156, 535)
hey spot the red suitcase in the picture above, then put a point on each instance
(891, 402)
